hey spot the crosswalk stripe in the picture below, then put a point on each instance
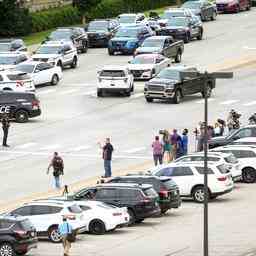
(228, 102)
(50, 147)
(250, 103)
(81, 148)
(26, 145)
(69, 91)
(134, 150)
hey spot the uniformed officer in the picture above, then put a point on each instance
(5, 126)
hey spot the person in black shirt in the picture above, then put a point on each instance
(5, 126)
(107, 157)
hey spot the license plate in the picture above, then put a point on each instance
(112, 84)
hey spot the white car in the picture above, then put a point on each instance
(245, 141)
(9, 60)
(228, 159)
(12, 80)
(46, 216)
(146, 66)
(131, 18)
(190, 179)
(115, 79)
(41, 72)
(57, 53)
(247, 157)
(100, 217)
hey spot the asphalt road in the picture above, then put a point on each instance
(74, 119)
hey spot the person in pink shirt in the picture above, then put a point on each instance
(157, 151)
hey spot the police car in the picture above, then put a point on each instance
(57, 53)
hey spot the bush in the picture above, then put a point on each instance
(53, 18)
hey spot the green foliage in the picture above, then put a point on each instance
(84, 6)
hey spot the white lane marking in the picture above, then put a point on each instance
(250, 103)
(228, 102)
(26, 145)
(137, 95)
(79, 148)
(249, 48)
(77, 84)
(135, 150)
(89, 93)
(45, 91)
(69, 91)
(50, 147)
(202, 101)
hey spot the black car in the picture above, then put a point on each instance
(171, 84)
(75, 34)
(99, 32)
(140, 200)
(19, 106)
(243, 132)
(184, 29)
(12, 45)
(17, 236)
(202, 8)
(166, 188)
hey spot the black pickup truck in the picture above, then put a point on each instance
(171, 85)
(164, 45)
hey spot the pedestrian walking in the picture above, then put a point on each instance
(157, 151)
(107, 151)
(185, 141)
(179, 149)
(5, 126)
(174, 141)
(58, 169)
(167, 147)
(67, 234)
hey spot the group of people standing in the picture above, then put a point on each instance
(171, 146)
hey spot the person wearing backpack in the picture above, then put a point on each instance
(58, 168)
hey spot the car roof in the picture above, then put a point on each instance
(195, 163)
(11, 71)
(12, 217)
(57, 43)
(11, 53)
(247, 139)
(128, 14)
(114, 67)
(124, 185)
(210, 153)
(158, 37)
(179, 67)
(50, 202)
(31, 62)
(152, 55)
(243, 147)
(10, 40)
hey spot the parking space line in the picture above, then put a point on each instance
(134, 150)
(137, 95)
(50, 147)
(229, 102)
(45, 91)
(69, 91)
(89, 93)
(251, 103)
(202, 101)
(79, 148)
(26, 145)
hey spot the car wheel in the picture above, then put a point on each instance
(97, 227)
(200, 36)
(55, 79)
(163, 211)
(84, 47)
(132, 88)
(178, 57)
(74, 62)
(198, 194)
(99, 93)
(6, 249)
(110, 52)
(248, 7)
(249, 175)
(21, 116)
(177, 97)
(208, 91)
(127, 93)
(54, 235)
(214, 15)
(149, 99)
(59, 64)
(139, 220)
(237, 10)
(132, 217)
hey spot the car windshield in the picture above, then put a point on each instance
(231, 159)
(223, 169)
(127, 19)
(179, 22)
(15, 77)
(127, 32)
(169, 15)
(25, 68)
(48, 50)
(75, 208)
(106, 206)
(112, 73)
(171, 74)
(169, 183)
(98, 26)
(150, 192)
(153, 43)
(191, 5)
(4, 47)
(8, 60)
(143, 60)
(60, 34)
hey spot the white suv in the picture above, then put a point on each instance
(247, 157)
(46, 216)
(190, 179)
(228, 159)
(57, 53)
(115, 79)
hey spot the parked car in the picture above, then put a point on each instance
(101, 31)
(233, 5)
(131, 18)
(146, 66)
(170, 85)
(12, 45)
(250, 141)
(115, 79)
(9, 60)
(99, 217)
(140, 200)
(167, 189)
(164, 45)
(60, 54)
(183, 29)
(41, 72)
(243, 132)
(202, 8)
(46, 216)
(190, 179)
(20, 106)
(76, 35)
(14, 80)
(228, 159)
(128, 39)
(247, 157)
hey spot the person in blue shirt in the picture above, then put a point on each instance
(185, 141)
(64, 229)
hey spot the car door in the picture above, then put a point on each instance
(39, 74)
(166, 50)
(108, 195)
(161, 63)
(68, 54)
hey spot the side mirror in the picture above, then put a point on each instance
(129, 61)
(37, 70)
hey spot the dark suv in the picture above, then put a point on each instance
(140, 200)
(19, 106)
(101, 31)
(167, 189)
(12, 45)
(17, 236)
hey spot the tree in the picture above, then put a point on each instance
(85, 6)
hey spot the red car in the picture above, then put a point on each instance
(233, 5)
